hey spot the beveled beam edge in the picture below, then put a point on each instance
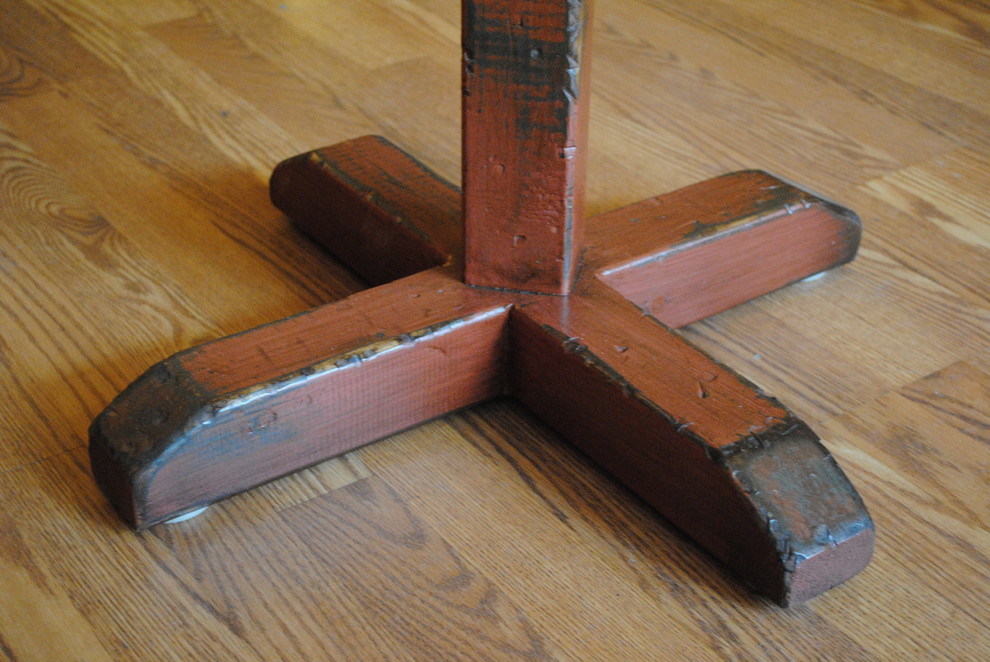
(823, 541)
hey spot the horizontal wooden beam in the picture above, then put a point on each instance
(376, 208)
(727, 464)
(730, 466)
(692, 253)
(232, 414)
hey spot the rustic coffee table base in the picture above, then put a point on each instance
(573, 322)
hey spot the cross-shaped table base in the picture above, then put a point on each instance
(597, 361)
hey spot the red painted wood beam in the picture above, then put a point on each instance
(730, 466)
(686, 255)
(383, 198)
(232, 414)
(727, 464)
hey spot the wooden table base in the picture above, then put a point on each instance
(574, 324)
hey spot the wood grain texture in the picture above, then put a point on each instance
(135, 223)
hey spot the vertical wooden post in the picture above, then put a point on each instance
(525, 137)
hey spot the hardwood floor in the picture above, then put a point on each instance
(136, 139)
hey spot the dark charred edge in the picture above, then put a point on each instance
(786, 197)
(787, 470)
(113, 479)
(136, 427)
(799, 195)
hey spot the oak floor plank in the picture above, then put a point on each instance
(158, 11)
(448, 604)
(137, 608)
(573, 510)
(933, 217)
(935, 61)
(480, 510)
(740, 57)
(877, 85)
(232, 126)
(41, 42)
(964, 19)
(922, 458)
(30, 607)
(352, 82)
(290, 102)
(135, 143)
(848, 338)
(62, 264)
(397, 32)
(767, 134)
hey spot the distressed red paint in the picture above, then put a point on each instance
(588, 351)
(525, 141)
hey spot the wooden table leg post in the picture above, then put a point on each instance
(525, 122)
(535, 308)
